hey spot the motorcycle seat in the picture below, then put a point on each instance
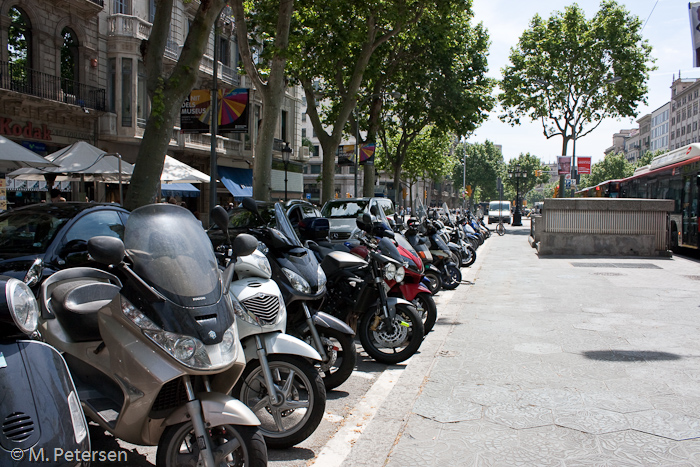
(79, 326)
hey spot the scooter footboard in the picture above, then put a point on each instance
(217, 409)
(280, 343)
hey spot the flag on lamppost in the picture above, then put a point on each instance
(584, 165)
(694, 13)
(367, 153)
(563, 165)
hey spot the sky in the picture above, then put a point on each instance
(667, 30)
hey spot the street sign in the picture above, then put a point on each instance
(567, 183)
(308, 195)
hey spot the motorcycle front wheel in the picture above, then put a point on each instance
(452, 277)
(304, 399)
(427, 310)
(468, 260)
(240, 446)
(393, 345)
(342, 355)
(435, 282)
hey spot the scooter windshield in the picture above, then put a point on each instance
(172, 253)
(421, 213)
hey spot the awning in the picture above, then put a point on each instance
(238, 181)
(183, 190)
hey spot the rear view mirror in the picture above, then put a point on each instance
(367, 221)
(106, 250)
(250, 205)
(220, 218)
(244, 245)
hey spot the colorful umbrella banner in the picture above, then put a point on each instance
(195, 113)
(367, 153)
(233, 110)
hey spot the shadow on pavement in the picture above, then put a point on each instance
(336, 394)
(103, 442)
(630, 355)
(289, 454)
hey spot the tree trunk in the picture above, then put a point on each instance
(262, 169)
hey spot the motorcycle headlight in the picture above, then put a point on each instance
(187, 350)
(400, 274)
(299, 283)
(390, 271)
(321, 278)
(22, 305)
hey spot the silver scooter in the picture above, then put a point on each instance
(154, 347)
(283, 388)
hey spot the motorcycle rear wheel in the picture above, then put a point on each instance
(342, 354)
(469, 260)
(395, 345)
(435, 282)
(300, 413)
(427, 310)
(453, 276)
(178, 446)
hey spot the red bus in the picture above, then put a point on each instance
(673, 175)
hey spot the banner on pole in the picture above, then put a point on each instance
(233, 111)
(694, 12)
(346, 154)
(367, 153)
(563, 165)
(584, 165)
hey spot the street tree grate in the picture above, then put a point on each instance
(617, 265)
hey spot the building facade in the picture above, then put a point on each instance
(685, 101)
(660, 128)
(72, 71)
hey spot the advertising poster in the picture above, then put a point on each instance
(367, 153)
(346, 154)
(694, 11)
(563, 165)
(584, 165)
(233, 111)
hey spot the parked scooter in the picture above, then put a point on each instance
(279, 383)
(421, 245)
(39, 407)
(154, 347)
(302, 282)
(389, 328)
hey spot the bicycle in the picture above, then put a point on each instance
(500, 229)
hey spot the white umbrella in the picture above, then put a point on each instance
(13, 156)
(175, 171)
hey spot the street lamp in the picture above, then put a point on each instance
(286, 154)
(517, 173)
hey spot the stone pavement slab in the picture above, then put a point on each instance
(551, 361)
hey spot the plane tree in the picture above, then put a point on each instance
(571, 73)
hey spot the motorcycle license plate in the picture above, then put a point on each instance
(3, 363)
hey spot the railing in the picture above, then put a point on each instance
(129, 26)
(35, 83)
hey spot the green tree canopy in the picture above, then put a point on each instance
(612, 167)
(483, 164)
(571, 73)
(525, 164)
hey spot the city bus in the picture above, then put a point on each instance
(673, 175)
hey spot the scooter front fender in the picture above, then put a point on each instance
(217, 409)
(279, 343)
(325, 320)
(392, 302)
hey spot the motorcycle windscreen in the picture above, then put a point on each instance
(388, 248)
(171, 252)
(421, 212)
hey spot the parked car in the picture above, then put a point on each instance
(40, 239)
(343, 213)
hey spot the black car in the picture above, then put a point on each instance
(40, 239)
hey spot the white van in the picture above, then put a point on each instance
(499, 210)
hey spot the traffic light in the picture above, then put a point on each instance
(469, 190)
(556, 191)
(538, 173)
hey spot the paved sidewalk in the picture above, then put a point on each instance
(551, 362)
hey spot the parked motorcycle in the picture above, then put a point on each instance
(39, 407)
(279, 383)
(154, 347)
(389, 328)
(467, 253)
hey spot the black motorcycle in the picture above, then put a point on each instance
(39, 407)
(390, 328)
(302, 282)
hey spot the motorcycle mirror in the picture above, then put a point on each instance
(220, 218)
(244, 245)
(106, 250)
(367, 221)
(250, 205)
(374, 210)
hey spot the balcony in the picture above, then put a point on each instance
(86, 8)
(128, 26)
(35, 83)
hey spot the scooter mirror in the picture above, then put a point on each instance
(220, 218)
(244, 245)
(106, 250)
(250, 205)
(367, 221)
